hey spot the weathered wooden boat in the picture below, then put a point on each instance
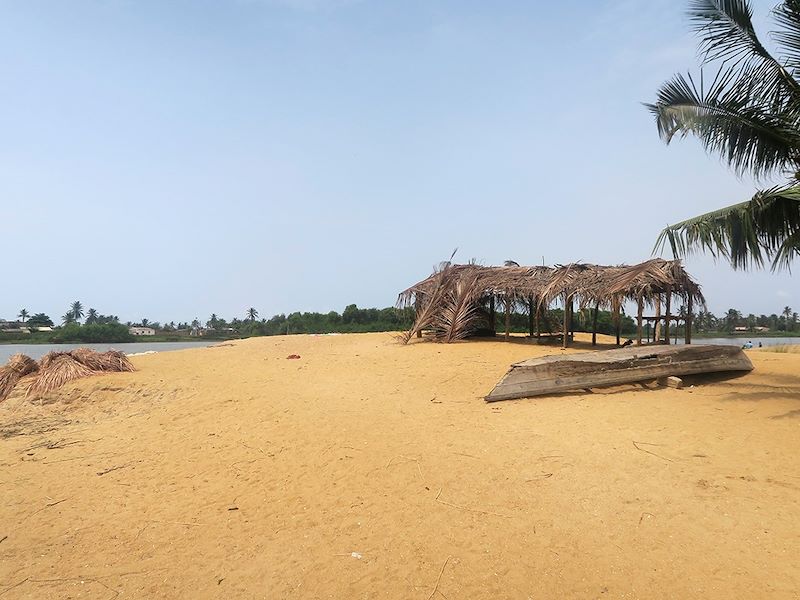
(565, 372)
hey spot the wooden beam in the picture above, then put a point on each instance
(508, 317)
(594, 324)
(572, 317)
(538, 309)
(417, 305)
(530, 315)
(673, 382)
(667, 315)
(617, 318)
(566, 321)
(689, 320)
(639, 322)
(657, 328)
(492, 318)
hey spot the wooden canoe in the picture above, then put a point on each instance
(564, 372)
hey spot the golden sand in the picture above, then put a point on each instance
(366, 469)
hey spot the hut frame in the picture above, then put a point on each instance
(450, 301)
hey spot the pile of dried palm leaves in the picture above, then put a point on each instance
(18, 366)
(58, 368)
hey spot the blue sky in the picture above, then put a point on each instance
(170, 159)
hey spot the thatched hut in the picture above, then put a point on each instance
(457, 301)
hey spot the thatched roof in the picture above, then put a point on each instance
(446, 301)
(587, 284)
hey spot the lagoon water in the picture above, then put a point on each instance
(741, 341)
(36, 351)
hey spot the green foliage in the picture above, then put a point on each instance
(108, 333)
(749, 114)
(352, 320)
(40, 320)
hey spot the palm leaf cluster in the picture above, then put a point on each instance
(452, 303)
(748, 112)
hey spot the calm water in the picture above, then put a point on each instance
(741, 341)
(36, 351)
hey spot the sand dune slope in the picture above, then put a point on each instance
(370, 470)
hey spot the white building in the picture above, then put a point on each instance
(141, 331)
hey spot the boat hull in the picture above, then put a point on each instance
(565, 372)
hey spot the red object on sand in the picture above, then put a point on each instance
(292, 356)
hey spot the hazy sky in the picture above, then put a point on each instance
(170, 159)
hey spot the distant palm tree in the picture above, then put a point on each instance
(732, 318)
(68, 318)
(76, 310)
(750, 115)
(145, 322)
(787, 312)
(252, 313)
(91, 316)
(23, 314)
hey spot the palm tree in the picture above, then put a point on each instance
(91, 316)
(77, 310)
(787, 312)
(749, 113)
(252, 313)
(732, 318)
(68, 318)
(23, 314)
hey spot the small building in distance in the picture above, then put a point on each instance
(141, 331)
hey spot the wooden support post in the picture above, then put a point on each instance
(667, 316)
(572, 318)
(417, 305)
(508, 317)
(536, 323)
(531, 308)
(566, 322)
(689, 320)
(639, 322)
(617, 318)
(492, 319)
(657, 323)
(594, 324)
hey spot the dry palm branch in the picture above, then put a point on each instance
(459, 310)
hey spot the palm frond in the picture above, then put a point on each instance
(458, 311)
(787, 15)
(767, 226)
(749, 137)
(727, 34)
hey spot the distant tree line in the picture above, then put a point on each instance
(787, 321)
(98, 327)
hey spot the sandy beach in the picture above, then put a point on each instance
(367, 469)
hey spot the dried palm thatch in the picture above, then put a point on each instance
(56, 369)
(458, 312)
(116, 361)
(110, 361)
(448, 302)
(15, 369)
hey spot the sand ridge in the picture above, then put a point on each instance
(366, 469)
